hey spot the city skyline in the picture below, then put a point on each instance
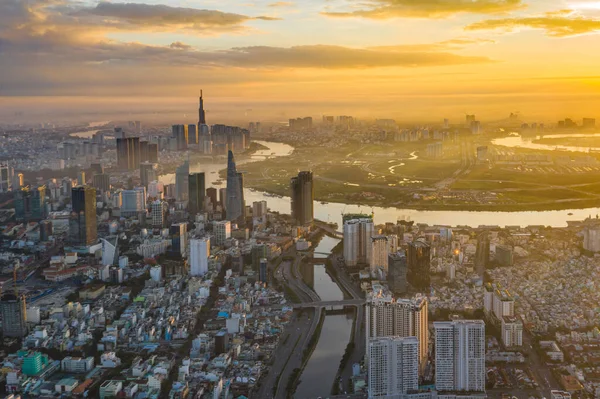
(490, 57)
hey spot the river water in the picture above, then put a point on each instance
(319, 374)
(332, 212)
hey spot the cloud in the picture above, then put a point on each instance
(282, 4)
(180, 46)
(558, 24)
(385, 9)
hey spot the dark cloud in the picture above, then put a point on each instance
(384, 9)
(559, 24)
(180, 46)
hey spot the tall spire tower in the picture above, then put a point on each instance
(201, 113)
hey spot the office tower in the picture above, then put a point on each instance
(387, 317)
(397, 270)
(419, 260)
(358, 230)
(180, 134)
(156, 189)
(152, 153)
(460, 355)
(262, 270)
(393, 366)
(6, 173)
(223, 198)
(101, 182)
(482, 253)
(393, 243)
(258, 252)
(148, 173)
(178, 233)
(302, 197)
(199, 253)
(82, 224)
(181, 182)
(134, 202)
(18, 181)
(196, 193)
(13, 310)
(110, 250)
(222, 230)
(128, 152)
(205, 142)
(46, 230)
(259, 208)
(81, 178)
(201, 113)
(211, 193)
(380, 251)
(192, 134)
(158, 214)
(235, 191)
(30, 204)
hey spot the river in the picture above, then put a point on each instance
(332, 212)
(514, 140)
(319, 374)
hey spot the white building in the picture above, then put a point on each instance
(222, 230)
(151, 248)
(199, 253)
(156, 189)
(156, 273)
(387, 317)
(379, 254)
(393, 366)
(109, 250)
(460, 355)
(591, 236)
(512, 331)
(358, 231)
(77, 364)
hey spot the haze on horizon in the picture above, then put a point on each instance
(406, 59)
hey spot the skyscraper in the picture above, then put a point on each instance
(158, 213)
(393, 366)
(211, 193)
(82, 224)
(199, 253)
(178, 233)
(482, 253)
(30, 204)
(302, 197)
(387, 317)
(180, 134)
(201, 113)
(101, 182)
(128, 151)
(380, 252)
(192, 134)
(235, 191)
(397, 270)
(148, 173)
(358, 230)
(197, 192)
(262, 270)
(182, 174)
(13, 310)
(134, 202)
(419, 260)
(460, 355)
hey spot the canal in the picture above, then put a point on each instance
(318, 376)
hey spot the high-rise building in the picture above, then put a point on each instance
(419, 260)
(379, 254)
(178, 233)
(180, 134)
(81, 178)
(152, 152)
(134, 202)
(302, 197)
(158, 213)
(101, 182)
(199, 253)
(144, 151)
(6, 173)
(192, 134)
(201, 113)
(397, 270)
(393, 366)
(358, 230)
(211, 193)
(18, 181)
(259, 208)
(128, 151)
(148, 173)
(460, 355)
(482, 253)
(222, 230)
(34, 363)
(196, 193)
(236, 205)
(14, 316)
(262, 270)
(82, 224)
(30, 204)
(223, 198)
(110, 250)
(387, 317)
(182, 174)
(258, 252)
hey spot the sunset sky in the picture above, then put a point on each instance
(369, 57)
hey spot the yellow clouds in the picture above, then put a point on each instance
(384, 9)
(559, 24)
